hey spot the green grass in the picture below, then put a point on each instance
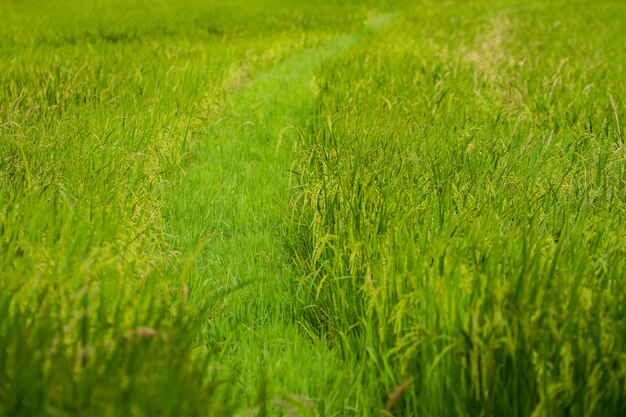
(306, 208)
(461, 199)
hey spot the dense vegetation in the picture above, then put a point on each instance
(303, 208)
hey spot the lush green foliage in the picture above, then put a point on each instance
(462, 210)
(305, 208)
(100, 106)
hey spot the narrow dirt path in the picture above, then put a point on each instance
(237, 194)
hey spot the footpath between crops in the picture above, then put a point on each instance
(237, 193)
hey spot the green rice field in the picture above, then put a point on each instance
(313, 208)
